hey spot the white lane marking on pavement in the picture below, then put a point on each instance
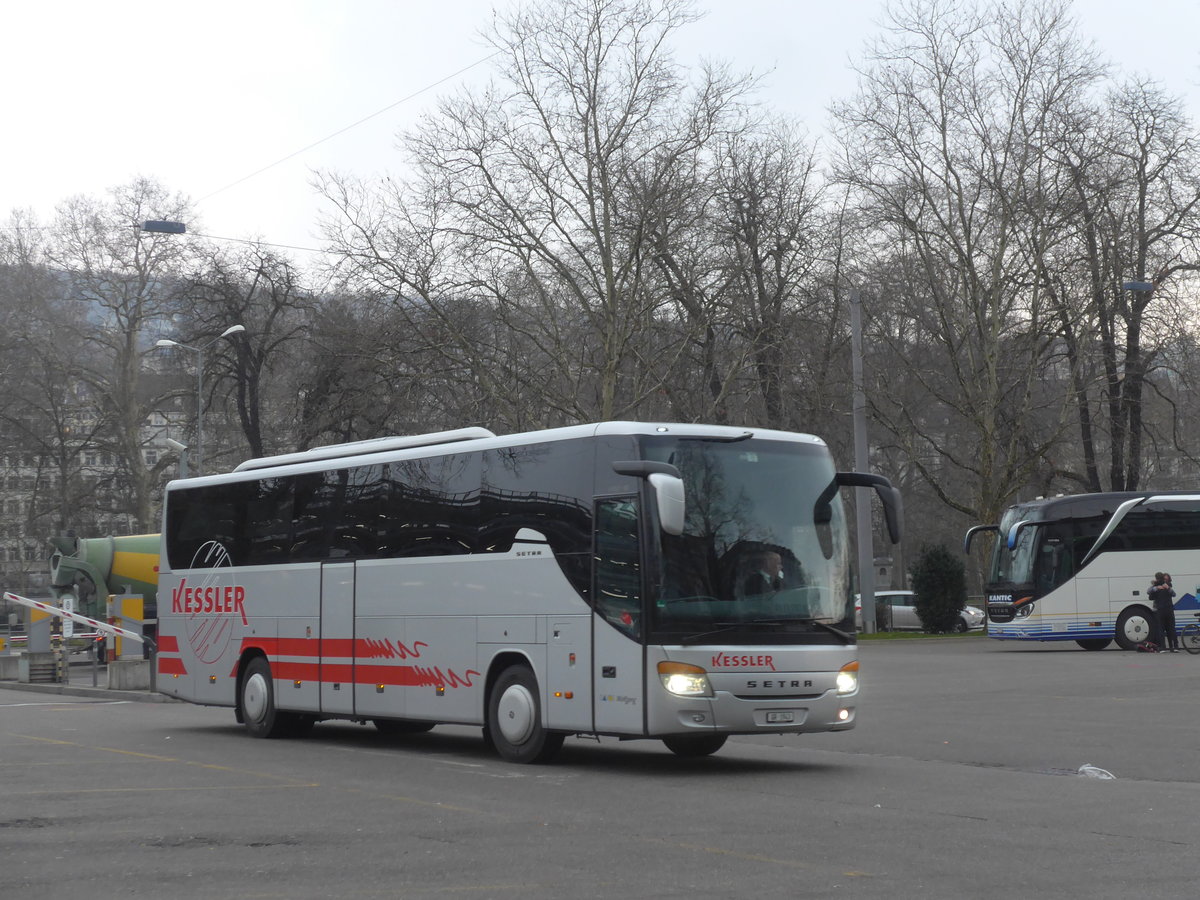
(69, 703)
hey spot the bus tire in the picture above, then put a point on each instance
(1134, 625)
(695, 744)
(257, 702)
(514, 720)
(1093, 643)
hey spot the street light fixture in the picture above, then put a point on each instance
(161, 226)
(199, 351)
(181, 450)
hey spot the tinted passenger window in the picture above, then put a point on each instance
(1156, 529)
(546, 487)
(200, 515)
(428, 507)
(268, 526)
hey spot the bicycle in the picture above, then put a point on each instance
(1189, 637)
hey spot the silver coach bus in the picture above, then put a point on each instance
(678, 582)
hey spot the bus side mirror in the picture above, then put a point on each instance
(889, 496)
(668, 493)
(971, 532)
(668, 490)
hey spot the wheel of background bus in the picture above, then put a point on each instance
(1190, 638)
(515, 719)
(1093, 643)
(695, 744)
(258, 703)
(1134, 625)
(400, 726)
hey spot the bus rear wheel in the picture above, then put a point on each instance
(694, 744)
(257, 702)
(1134, 625)
(514, 721)
(1093, 643)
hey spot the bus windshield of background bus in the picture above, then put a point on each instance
(1015, 566)
(752, 550)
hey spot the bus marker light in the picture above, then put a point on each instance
(441, 690)
(379, 688)
(847, 678)
(297, 683)
(212, 679)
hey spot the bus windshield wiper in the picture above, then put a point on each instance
(722, 628)
(845, 637)
(728, 627)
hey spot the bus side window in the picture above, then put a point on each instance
(618, 570)
(547, 487)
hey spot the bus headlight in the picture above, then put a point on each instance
(847, 678)
(684, 680)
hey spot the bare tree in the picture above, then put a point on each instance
(531, 205)
(941, 149)
(1132, 176)
(43, 408)
(260, 290)
(124, 277)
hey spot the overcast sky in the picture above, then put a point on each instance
(201, 96)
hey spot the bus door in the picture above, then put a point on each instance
(1054, 584)
(619, 694)
(337, 637)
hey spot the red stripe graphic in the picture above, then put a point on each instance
(310, 667)
(170, 666)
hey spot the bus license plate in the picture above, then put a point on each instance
(776, 718)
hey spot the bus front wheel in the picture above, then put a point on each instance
(1134, 625)
(514, 721)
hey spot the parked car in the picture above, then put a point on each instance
(900, 609)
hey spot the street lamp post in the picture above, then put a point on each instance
(199, 351)
(862, 495)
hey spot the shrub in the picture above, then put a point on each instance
(939, 579)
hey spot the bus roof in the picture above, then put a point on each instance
(460, 440)
(1078, 506)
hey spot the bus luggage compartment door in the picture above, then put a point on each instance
(337, 637)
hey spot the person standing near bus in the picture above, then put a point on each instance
(1164, 610)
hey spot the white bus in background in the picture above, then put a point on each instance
(1077, 568)
(680, 582)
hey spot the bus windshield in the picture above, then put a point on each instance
(1015, 566)
(758, 551)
